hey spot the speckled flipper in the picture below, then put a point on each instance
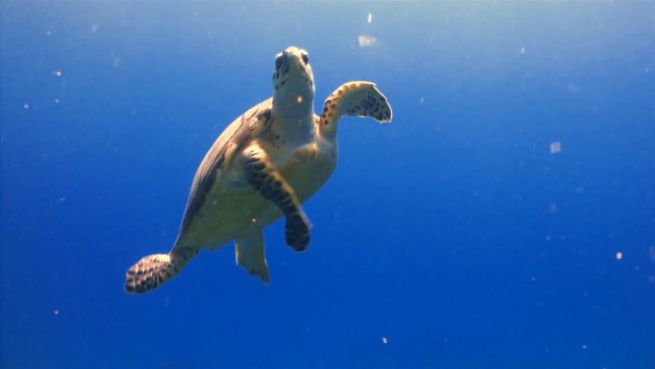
(153, 270)
(360, 98)
(266, 180)
(249, 252)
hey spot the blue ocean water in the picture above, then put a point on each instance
(505, 219)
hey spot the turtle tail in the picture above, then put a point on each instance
(153, 270)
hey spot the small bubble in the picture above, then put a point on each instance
(56, 312)
(26, 106)
(555, 147)
(370, 18)
(523, 51)
(57, 73)
(619, 255)
(584, 347)
(56, 100)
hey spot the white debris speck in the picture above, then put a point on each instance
(523, 51)
(421, 100)
(366, 41)
(55, 312)
(651, 253)
(385, 340)
(26, 106)
(94, 28)
(573, 88)
(299, 99)
(555, 147)
(253, 220)
(370, 18)
(619, 255)
(584, 347)
(48, 33)
(56, 100)
(552, 208)
(62, 199)
(57, 73)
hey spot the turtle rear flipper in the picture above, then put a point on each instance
(153, 270)
(249, 252)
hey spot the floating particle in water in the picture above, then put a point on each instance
(48, 33)
(651, 253)
(299, 99)
(584, 347)
(62, 199)
(94, 28)
(552, 208)
(26, 106)
(385, 340)
(573, 88)
(555, 147)
(619, 255)
(366, 40)
(55, 312)
(651, 278)
(370, 18)
(421, 100)
(56, 100)
(523, 50)
(57, 73)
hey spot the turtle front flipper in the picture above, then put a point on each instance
(360, 98)
(249, 252)
(153, 270)
(269, 183)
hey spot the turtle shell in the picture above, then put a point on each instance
(210, 176)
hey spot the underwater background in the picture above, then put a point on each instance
(504, 219)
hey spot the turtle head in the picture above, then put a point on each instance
(293, 82)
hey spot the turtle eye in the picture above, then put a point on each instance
(279, 61)
(305, 58)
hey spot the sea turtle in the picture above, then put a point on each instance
(262, 167)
